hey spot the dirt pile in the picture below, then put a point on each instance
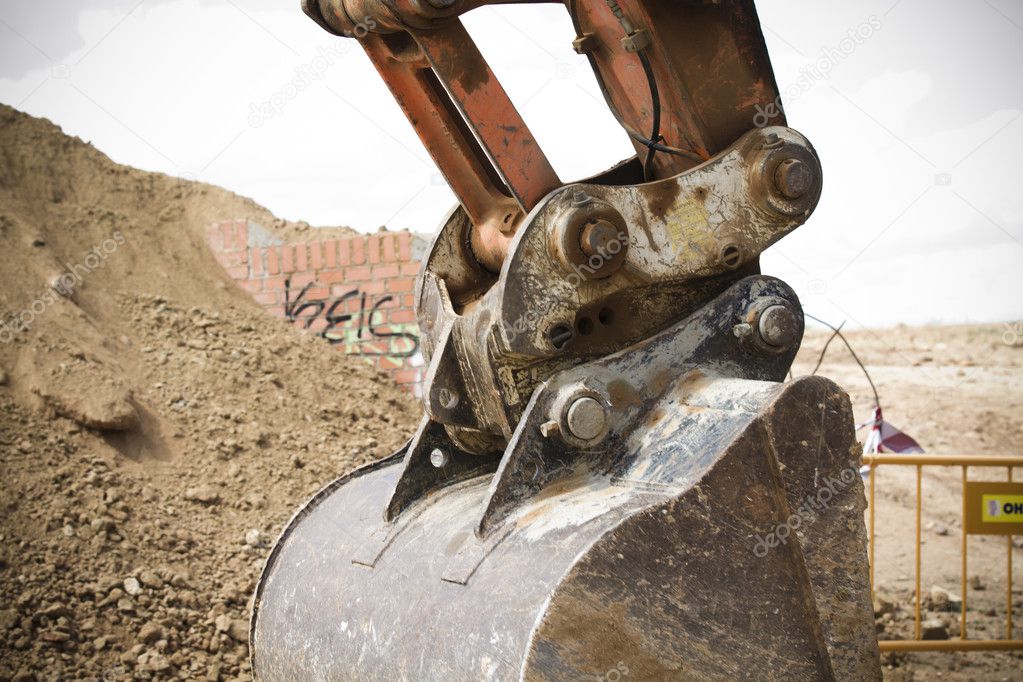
(156, 427)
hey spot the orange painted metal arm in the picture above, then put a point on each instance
(487, 109)
(470, 128)
(445, 135)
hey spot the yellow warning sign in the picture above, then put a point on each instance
(1002, 508)
(994, 508)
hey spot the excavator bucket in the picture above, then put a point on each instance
(612, 478)
(721, 538)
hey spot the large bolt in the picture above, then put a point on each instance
(778, 326)
(793, 178)
(597, 239)
(586, 418)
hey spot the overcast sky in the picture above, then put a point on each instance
(918, 125)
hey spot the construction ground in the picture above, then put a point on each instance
(158, 427)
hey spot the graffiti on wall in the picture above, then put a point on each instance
(356, 330)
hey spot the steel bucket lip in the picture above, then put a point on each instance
(307, 508)
(638, 500)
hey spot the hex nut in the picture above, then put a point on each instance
(598, 238)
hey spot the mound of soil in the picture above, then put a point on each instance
(157, 428)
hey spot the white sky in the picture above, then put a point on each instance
(919, 127)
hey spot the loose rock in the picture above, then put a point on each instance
(205, 494)
(151, 633)
(932, 628)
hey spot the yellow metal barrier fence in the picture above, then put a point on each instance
(964, 462)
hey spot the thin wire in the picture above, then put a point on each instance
(655, 108)
(648, 143)
(877, 400)
(825, 349)
(655, 96)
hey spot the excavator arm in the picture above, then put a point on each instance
(611, 473)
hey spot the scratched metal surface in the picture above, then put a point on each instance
(322, 616)
(653, 568)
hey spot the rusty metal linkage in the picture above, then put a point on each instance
(606, 438)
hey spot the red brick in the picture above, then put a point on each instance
(276, 310)
(238, 271)
(332, 277)
(339, 290)
(318, 325)
(358, 255)
(241, 234)
(287, 259)
(387, 242)
(385, 271)
(385, 363)
(251, 285)
(373, 288)
(256, 261)
(344, 252)
(357, 274)
(316, 255)
(401, 316)
(404, 246)
(373, 248)
(316, 294)
(227, 235)
(330, 253)
(369, 348)
(408, 301)
(410, 269)
(399, 285)
(300, 279)
(267, 298)
(409, 375)
(235, 236)
(233, 258)
(274, 283)
(301, 257)
(273, 261)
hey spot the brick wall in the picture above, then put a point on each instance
(355, 292)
